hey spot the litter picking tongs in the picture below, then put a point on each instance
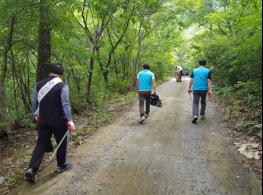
(56, 150)
(190, 94)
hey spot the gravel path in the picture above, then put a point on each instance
(165, 156)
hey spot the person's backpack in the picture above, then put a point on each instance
(155, 100)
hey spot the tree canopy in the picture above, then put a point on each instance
(104, 43)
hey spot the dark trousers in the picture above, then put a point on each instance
(45, 131)
(144, 97)
(199, 94)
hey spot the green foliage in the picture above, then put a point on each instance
(249, 88)
(117, 54)
(233, 42)
(229, 36)
(15, 178)
(119, 86)
(104, 43)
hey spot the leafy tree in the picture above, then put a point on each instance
(104, 43)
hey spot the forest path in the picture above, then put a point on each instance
(166, 155)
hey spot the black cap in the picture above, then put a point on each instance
(56, 69)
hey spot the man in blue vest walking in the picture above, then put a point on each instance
(145, 84)
(201, 86)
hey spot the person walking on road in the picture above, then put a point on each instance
(179, 73)
(201, 86)
(145, 84)
(52, 111)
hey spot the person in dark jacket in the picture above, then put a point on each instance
(52, 111)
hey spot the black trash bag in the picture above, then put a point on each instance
(155, 100)
(3, 135)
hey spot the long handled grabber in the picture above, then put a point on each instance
(190, 94)
(56, 150)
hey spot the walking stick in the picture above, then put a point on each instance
(55, 152)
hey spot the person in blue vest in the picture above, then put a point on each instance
(145, 85)
(201, 86)
(52, 111)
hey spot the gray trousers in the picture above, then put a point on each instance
(199, 94)
(144, 97)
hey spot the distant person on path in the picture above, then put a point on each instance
(212, 69)
(180, 69)
(145, 84)
(179, 73)
(52, 111)
(201, 85)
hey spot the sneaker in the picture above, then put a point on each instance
(195, 118)
(30, 175)
(146, 116)
(142, 119)
(65, 167)
(203, 117)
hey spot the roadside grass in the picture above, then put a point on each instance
(242, 111)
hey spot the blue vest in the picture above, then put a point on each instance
(200, 76)
(145, 79)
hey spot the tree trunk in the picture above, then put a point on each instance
(44, 47)
(13, 68)
(2, 87)
(138, 55)
(115, 66)
(3, 76)
(76, 81)
(90, 75)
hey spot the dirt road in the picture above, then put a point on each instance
(166, 156)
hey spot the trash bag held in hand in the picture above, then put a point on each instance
(155, 100)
